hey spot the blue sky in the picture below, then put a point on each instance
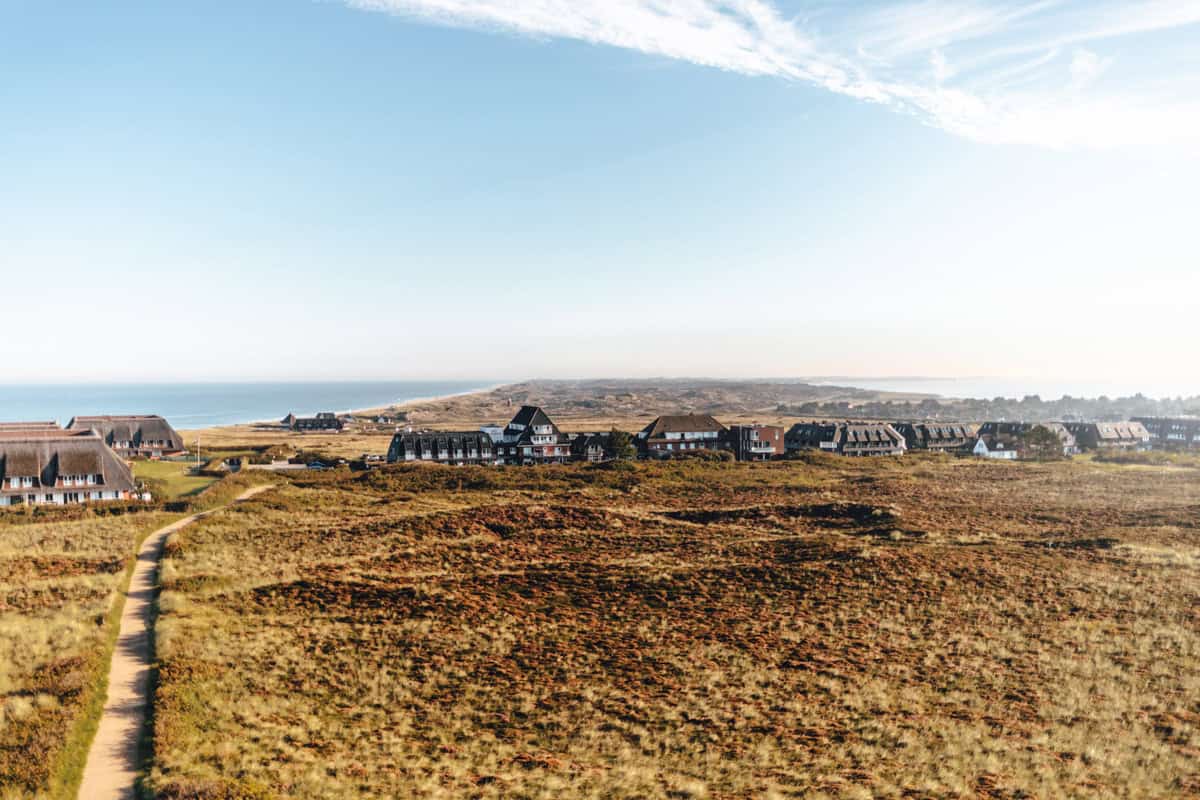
(450, 188)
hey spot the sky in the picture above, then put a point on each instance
(404, 189)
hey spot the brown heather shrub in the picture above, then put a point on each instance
(821, 628)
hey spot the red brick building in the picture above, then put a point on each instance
(755, 442)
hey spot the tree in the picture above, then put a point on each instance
(1043, 443)
(622, 445)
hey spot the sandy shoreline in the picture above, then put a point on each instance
(400, 406)
(432, 399)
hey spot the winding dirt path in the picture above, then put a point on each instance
(112, 767)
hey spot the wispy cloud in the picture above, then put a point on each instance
(1036, 72)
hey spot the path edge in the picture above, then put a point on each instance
(66, 776)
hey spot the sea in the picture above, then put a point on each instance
(203, 405)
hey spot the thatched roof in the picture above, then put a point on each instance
(46, 456)
(30, 426)
(136, 429)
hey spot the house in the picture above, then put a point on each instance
(60, 467)
(755, 442)
(145, 436)
(1172, 433)
(1018, 430)
(681, 433)
(592, 447)
(938, 437)
(325, 421)
(1002, 446)
(442, 447)
(846, 438)
(533, 438)
(1110, 435)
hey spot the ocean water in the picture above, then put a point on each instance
(202, 405)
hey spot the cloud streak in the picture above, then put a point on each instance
(1034, 72)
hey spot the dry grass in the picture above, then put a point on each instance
(59, 580)
(923, 627)
(174, 479)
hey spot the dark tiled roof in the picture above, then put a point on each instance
(436, 442)
(936, 432)
(996, 442)
(587, 441)
(1014, 429)
(841, 434)
(530, 417)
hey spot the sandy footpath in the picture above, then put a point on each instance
(113, 763)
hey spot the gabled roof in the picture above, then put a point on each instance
(530, 415)
(521, 426)
(1015, 429)
(586, 441)
(840, 434)
(871, 434)
(936, 431)
(682, 423)
(135, 428)
(997, 442)
(1112, 431)
(46, 456)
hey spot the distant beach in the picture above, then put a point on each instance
(206, 405)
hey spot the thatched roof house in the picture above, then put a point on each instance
(60, 467)
(136, 435)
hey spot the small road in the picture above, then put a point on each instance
(113, 764)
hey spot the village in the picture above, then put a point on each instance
(89, 460)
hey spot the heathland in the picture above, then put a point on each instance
(917, 627)
(63, 571)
